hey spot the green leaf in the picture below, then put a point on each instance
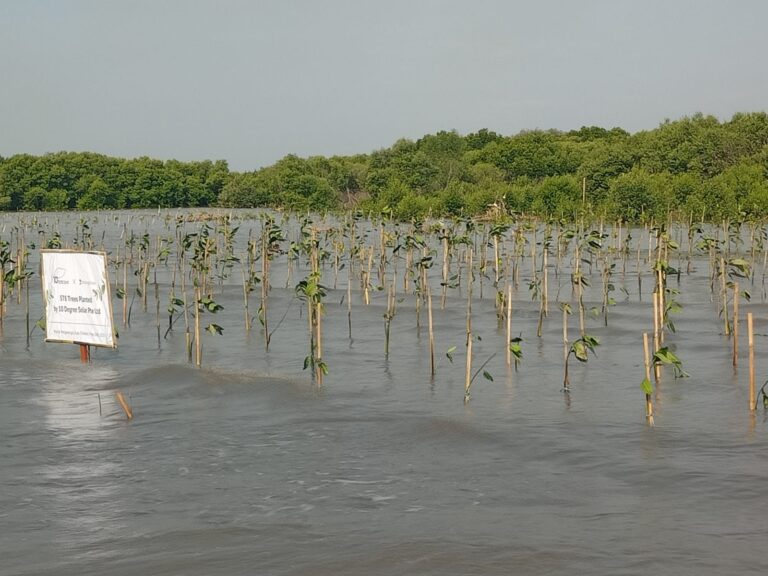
(580, 351)
(646, 386)
(449, 353)
(591, 341)
(214, 329)
(515, 348)
(487, 375)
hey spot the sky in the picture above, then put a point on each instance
(252, 81)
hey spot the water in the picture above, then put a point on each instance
(247, 467)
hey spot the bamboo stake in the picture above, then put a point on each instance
(724, 292)
(648, 400)
(468, 371)
(265, 285)
(509, 324)
(319, 328)
(125, 288)
(735, 324)
(431, 332)
(661, 288)
(752, 404)
(446, 270)
(245, 299)
(656, 342)
(124, 404)
(349, 297)
(198, 343)
(566, 381)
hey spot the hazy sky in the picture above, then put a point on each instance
(252, 81)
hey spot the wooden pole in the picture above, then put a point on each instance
(752, 406)
(85, 353)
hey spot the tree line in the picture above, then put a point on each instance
(696, 167)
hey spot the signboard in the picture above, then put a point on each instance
(78, 307)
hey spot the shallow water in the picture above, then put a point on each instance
(247, 467)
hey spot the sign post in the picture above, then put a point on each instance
(78, 307)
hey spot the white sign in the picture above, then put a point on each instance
(78, 308)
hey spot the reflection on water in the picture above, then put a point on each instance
(245, 466)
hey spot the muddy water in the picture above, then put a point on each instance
(247, 467)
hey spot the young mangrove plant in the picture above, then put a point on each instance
(646, 385)
(580, 350)
(665, 357)
(204, 304)
(312, 292)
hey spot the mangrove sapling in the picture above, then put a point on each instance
(728, 272)
(542, 286)
(483, 264)
(579, 281)
(751, 335)
(608, 287)
(487, 375)
(174, 309)
(250, 279)
(515, 349)
(646, 384)
(444, 240)
(5, 260)
(665, 357)
(420, 282)
(389, 315)
(204, 304)
(496, 233)
(19, 277)
(468, 370)
(579, 349)
(312, 292)
(350, 274)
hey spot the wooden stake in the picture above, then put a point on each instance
(752, 404)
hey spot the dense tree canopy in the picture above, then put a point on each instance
(696, 166)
